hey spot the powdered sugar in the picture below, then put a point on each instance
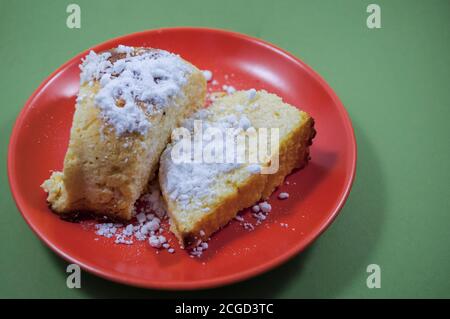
(188, 182)
(251, 94)
(265, 207)
(148, 225)
(260, 212)
(254, 168)
(153, 202)
(94, 65)
(283, 195)
(125, 49)
(208, 75)
(157, 241)
(198, 250)
(134, 87)
(256, 209)
(229, 89)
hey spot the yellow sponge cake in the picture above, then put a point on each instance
(203, 194)
(129, 102)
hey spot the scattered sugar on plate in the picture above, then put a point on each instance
(283, 195)
(265, 207)
(156, 241)
(141, 217)
(148, 225)
(254, 168)
(259, 212)
(198, 250)
(248, 226)
(260, 217)
(208, 75)
(256, 209)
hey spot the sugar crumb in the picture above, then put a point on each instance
(283, 195)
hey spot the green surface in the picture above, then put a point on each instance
(393, 81)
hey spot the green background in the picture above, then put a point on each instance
(394, 82)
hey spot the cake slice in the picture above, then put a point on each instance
(130, 100)
(203, 195)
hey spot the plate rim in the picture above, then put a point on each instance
(191, 284)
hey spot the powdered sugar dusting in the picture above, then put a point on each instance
(150, 215)
(187, 182)
(134, 87)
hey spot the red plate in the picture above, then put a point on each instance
(40, 137)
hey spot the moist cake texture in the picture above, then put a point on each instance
(130, 100)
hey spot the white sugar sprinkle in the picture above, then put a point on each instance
(144, 77)
(186, 179)
(198, 250)
(149, 216)
(251, 94)
(207, 74)
(265, 207)
(256, 208)
(283, 195)
(229, 89)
